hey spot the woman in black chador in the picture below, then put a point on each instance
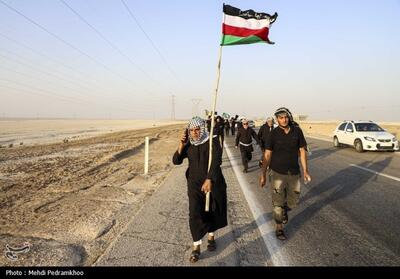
(194, 145)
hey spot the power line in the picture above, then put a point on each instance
(59, 62)
(67, 99)
(27, 62)
(42, 92)
(83, 89)
(68, 44)
(150, 40)
(32, 65)
(114, 47)
(53, 73)
(26, 75)
(74, 99)
(35, 78)
(47, 73)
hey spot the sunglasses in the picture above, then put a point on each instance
(245, 123)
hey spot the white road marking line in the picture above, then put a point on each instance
(266, 226)
(375, 172)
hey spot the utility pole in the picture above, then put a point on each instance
(173, 108)
(195, 108)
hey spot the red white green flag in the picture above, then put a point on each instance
(245, 27)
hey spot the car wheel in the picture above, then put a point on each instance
(336, 142)
(358, 145)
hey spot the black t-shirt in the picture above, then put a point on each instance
(244, 136)
(285, 149)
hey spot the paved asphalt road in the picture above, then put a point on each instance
(348, 215)
(158, 235)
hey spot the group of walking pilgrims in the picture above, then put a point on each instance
(283, 145)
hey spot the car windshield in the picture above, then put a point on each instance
(368, 127)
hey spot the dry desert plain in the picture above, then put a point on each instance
(73, 185)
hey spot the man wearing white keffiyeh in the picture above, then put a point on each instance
(196, 123)
(195, 146)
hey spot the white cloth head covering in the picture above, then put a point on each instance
(204, 135)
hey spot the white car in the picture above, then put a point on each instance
(364, 135)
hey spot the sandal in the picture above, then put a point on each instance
(280, 234)
(212, 245)
(194, 256)
(285, 218)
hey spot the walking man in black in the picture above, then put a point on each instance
(263, 134)
(227, 127)
(219, 129)
(244, 139)
(194, 145)
(233, 126)
(281, 156)
(282, 150)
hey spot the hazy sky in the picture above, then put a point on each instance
(332, 59)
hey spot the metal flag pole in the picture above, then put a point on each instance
(213, 122)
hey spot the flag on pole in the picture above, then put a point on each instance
(239, 27)
(245, 27)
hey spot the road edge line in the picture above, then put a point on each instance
(375, 172)
(271, 243)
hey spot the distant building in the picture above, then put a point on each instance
(300, 117)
